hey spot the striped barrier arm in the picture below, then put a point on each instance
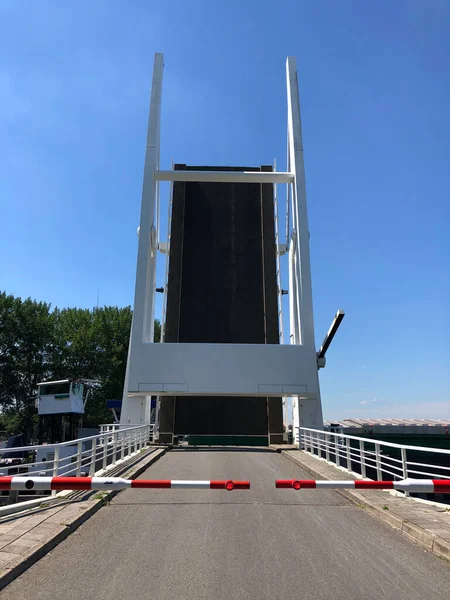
(437, 486)
(113, 483)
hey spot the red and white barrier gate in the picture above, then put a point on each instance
(113, 483)
(437, 486)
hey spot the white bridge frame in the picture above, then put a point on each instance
(158, 369)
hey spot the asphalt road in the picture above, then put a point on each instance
(218, 545)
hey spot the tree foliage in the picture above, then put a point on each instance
(38, 344)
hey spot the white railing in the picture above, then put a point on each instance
(112, 427)
(373, 458)
(85, 456)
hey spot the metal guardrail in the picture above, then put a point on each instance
(111, 427)
(84, 456)
(360, 455)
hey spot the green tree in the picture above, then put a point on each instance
(26, 347)
(77, 350)
(112, 328)
(37, 344)
(157, 334)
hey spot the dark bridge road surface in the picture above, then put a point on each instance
(218, 545)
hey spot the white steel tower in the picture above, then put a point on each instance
(196, 369)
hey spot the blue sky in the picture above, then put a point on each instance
(374, 87)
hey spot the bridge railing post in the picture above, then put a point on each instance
(122, 445)
(93, 457)
(55, 466)
(79, 457)
(105, 451)
(404, 466)
(327, 446)
(378, 462)
(56, 462)
(336, 449)
(349, 456)
(115, 440)
(363, 459)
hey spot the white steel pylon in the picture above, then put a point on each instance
(226, 369)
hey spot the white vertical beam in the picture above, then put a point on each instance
(294, 337)
(278, 261)
(134, 410)
(166, 268)
(144, 295)
(288, 197)
(299, 208)
(305, 412)
(125, 416)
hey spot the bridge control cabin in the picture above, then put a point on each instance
(60, 407)
(60, 397)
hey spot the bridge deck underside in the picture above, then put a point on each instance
(222, 288)
(262, 543)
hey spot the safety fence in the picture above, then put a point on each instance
(376, 459)
(85, 456)
(113, 427)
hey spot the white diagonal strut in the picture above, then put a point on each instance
(299, 208)
(142, 327)
(300, 287)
